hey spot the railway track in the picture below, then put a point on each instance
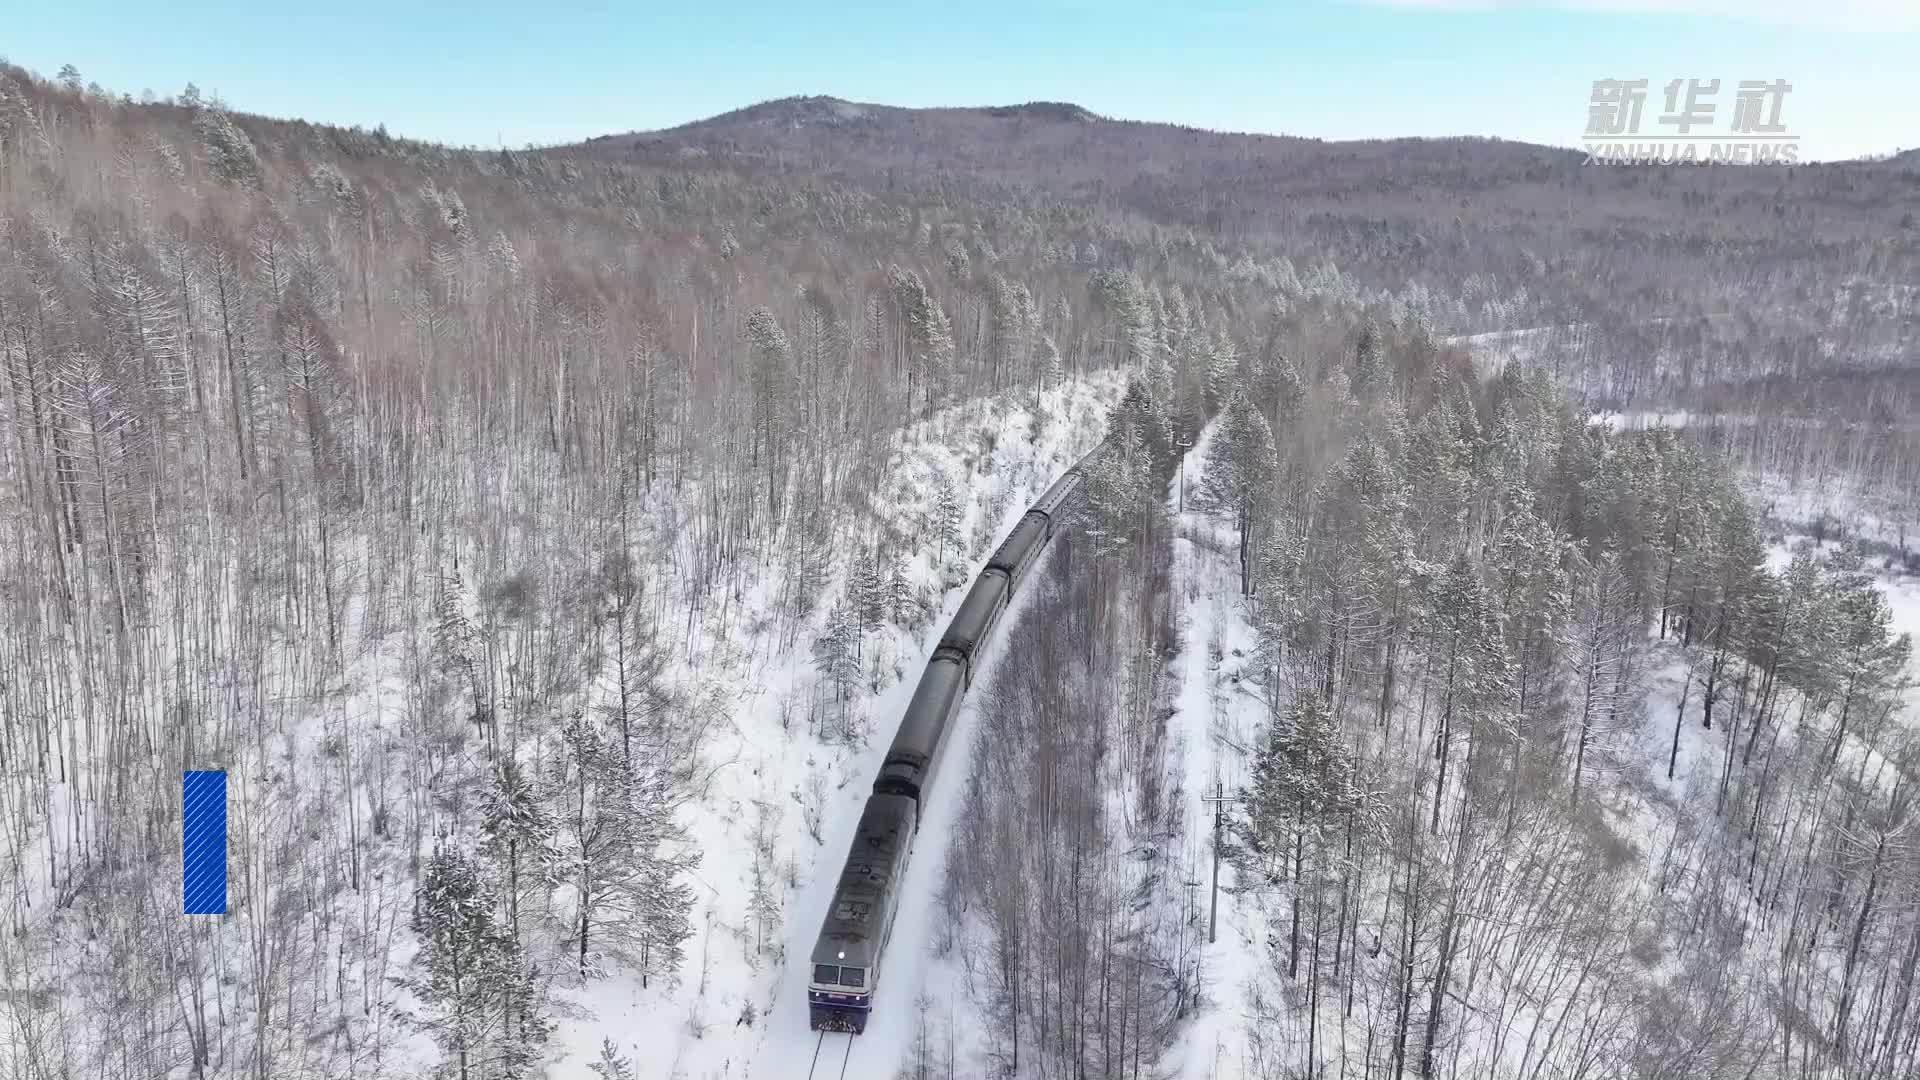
(813, 1071)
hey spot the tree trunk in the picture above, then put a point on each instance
(1679, 714)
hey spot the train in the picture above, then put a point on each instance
(849, 953)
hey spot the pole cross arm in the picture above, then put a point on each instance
(1219, 799)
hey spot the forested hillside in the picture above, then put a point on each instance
(1541, 757)
(1776, 305)
(1685, 284)
(1547, 765)
(465, 507)
(546, 543)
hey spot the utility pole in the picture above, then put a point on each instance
(1186, 444)
(1219, 799)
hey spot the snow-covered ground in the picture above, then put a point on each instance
(1219, 717)
(740, 1007)
(1493, 350)
(1839, 506)
(1640, 421)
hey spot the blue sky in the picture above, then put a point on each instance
(486, 71)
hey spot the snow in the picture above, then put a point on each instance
(1653, 743)
(1218, 718)
(1903, 596)
(1885, 516)
(1640, 421)
(1532, 346)
(698, 1031)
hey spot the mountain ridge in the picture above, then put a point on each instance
(797, 110)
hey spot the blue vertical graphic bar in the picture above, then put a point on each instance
(203, 842)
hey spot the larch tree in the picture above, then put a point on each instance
(1240, 466)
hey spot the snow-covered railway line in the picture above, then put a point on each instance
(846, 1055)
(848, 957)
(889, 1022)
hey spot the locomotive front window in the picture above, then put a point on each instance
(854, 977)
(826, 974)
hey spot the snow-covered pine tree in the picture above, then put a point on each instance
(1240, 468)
(1602, 638)
(1303, 777)
(1143, 409)
(230, 154)
(481, 1000)
(1118, 494)
(456, 642)
(836, 652)
(518, 832)
(1369, 363)
(1869, 663)
(1059, 318)
(867, 593)
(932, 342)
(619, 850)
(947, 515)
(1277, 389)
(654, 901)
(899, 593)
(1304, 791)
(1533, 596)
(1470, 670)
(611, 1065)
(770, 379)
(1221, 365)
(763, 902)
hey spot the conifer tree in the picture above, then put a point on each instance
(611, 1065)
(1240, 467)
(481, 997)
(947, 515)
(621, 853)
(518, 829)
(1602, 644)
(836, 652)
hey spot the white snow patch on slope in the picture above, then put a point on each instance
(1219, 719)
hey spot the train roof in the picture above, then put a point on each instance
(851, 933)
(932, 706)
(1061, 490)
(989, 590)
(1029, 531)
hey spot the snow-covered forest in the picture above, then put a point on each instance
(1549, 765)
(546, 545)
(536, 544)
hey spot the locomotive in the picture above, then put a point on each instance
(848, 955)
